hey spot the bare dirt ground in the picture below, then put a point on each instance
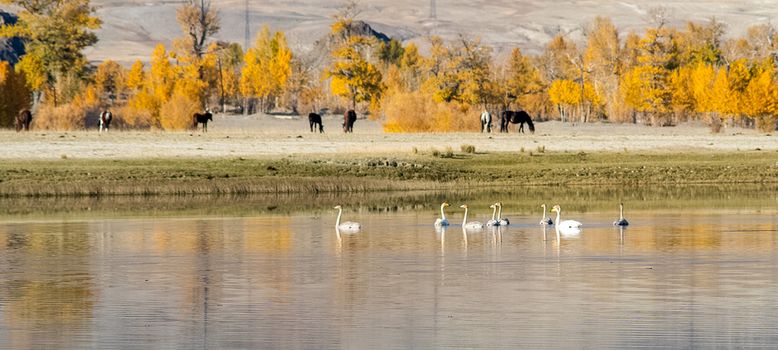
(270, 136)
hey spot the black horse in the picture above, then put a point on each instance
(315, 119)
(349, 118)
(516, 117)
(23, 120)
(105, 120)
(198, 118)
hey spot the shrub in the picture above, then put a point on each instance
(418, 112)
(177, 113)
(467, 148)
(69, 116)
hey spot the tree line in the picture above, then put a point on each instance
(661, 77)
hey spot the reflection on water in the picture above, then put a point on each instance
(673, 279)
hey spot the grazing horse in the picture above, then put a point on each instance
(315, 119)
(198, 118)
(349, 118)
(105, 120)
(486, 122)
(516, 117)
(23, 120)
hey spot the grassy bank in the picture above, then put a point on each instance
(311, 174)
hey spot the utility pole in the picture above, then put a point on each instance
(248, 29)
(433, 10)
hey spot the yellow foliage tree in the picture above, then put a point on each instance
(267, 69)
(136, 76)
(14, 94)
(110, 80)
(352, 76)
(760, 100)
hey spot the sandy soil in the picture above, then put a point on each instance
(259, 136)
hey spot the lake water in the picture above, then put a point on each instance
(698, 268)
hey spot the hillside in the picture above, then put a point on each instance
(132, 28)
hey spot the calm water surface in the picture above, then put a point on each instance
(681, 276)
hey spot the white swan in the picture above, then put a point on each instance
(472, 225)
(503, 221)
(545, 220)
(568, 226)
(493, 221)
(348, 225)
(442, 221)
(621, 221)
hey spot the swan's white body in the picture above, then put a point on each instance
(348, 225)
(545, 220)
(472, 225)
(493, 221)
(502, 221)
(621, 221)
(568, 227)
(442, 221)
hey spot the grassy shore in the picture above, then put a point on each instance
(407, 171)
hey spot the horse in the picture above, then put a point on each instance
(23, 120)
(198, 118)
(516, 117)
(105, 120)
(314, 119)
(486, 122)
(349, 118)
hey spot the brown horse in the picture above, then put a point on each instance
(198, 118)
(518, 117)
(23, 120)
(349, 118)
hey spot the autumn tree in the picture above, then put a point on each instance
(647, 84)
(110, 80)
(604, 56)
(199, 22)
(390, 52)
(55, 34)
(702, 42)
(268, 66)
(352, 75)
(760, 98)
(226, 59)
(460, 72)
(14, 95)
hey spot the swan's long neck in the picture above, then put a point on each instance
(442, 213)
(494, 212)
(558, 215)
(337, 222)
(544, 212)
(464, 220)
(621, 212)
(499, 213)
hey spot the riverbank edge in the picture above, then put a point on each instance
(380, 172)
